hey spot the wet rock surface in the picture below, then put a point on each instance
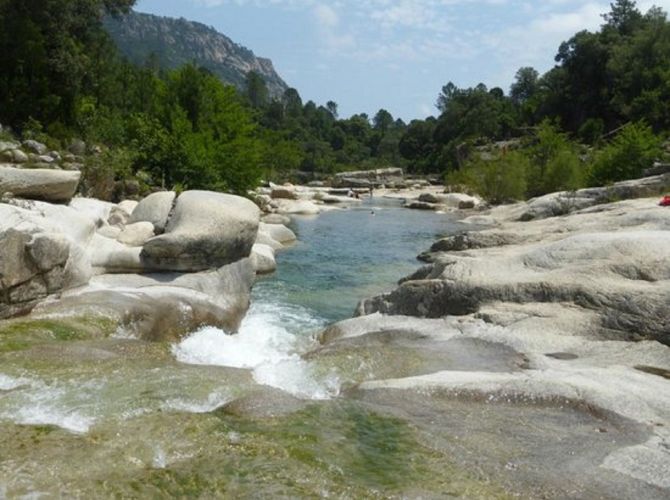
(583, 300)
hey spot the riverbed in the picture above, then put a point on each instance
(218, 415)
(385, 407)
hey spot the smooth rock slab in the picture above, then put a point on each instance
(56, 186)
(162, 307)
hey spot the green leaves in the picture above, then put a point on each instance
(633, 150)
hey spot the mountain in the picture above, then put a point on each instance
(176, 42)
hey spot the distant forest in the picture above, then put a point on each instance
(598, 116)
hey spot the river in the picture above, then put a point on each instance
(340, 258)
(245, 415)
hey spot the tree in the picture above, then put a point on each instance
(447, 94)
(49, 50)
(292, 102)
(554, 164)
(633, 149)
(332, 108)
(623, 17)
(525, 85)
(256, 90)
(418, 146)
(382, 121)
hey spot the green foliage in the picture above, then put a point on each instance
(548, 163)
(183, 128)
(6, 135)
(498, 181)
(554, 163)
(256, 90)
(633, 149)
(592, 130)
(59, 42)
(102, 171)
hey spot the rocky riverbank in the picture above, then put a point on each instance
(562, 303)
(156, 268)
(529, 357)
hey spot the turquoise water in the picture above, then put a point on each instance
(347, 255)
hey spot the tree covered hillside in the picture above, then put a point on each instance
(173, 43)
(598, 116)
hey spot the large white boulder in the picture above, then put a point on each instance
(96, 210)
(297, 207)
(128, 206)
(111, 256)
(265, 239)
(37, 257)
(207, 230)
(162, 307)
(278, 232)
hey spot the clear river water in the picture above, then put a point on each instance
(229, 416)
(269, 413)
(340, 258)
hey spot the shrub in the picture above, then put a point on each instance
(633, 149)
(498, 181)
(101, 171)
(554, 163)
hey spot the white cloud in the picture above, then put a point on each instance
(330, 33)
(505, 34)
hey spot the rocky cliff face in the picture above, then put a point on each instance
(176, 42)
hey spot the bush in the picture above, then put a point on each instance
(103, 170)
(554, 162)
(632, 151)
(498, 181)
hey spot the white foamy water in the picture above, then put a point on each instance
(8, 383)
(214, 401)
(76, 405)
(32, 402)
(265, 346)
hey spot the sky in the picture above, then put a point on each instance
(395, 54)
